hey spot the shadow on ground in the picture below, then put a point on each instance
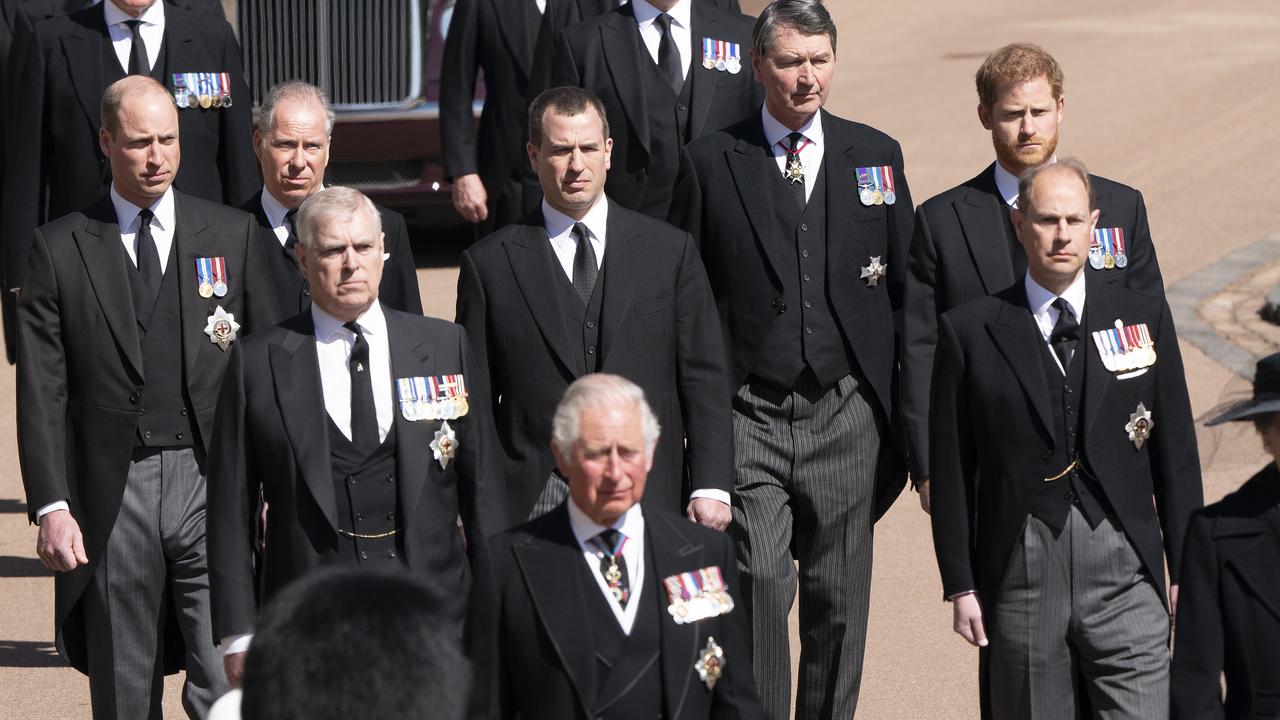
(14, 567)
(29, 654)
(10, 505)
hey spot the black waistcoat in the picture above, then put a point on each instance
(628, 669)
(365, 488)
(668, 132)
(1066, 399)
(582, 321)
(804, 333)
(165, 418)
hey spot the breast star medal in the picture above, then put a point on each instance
(1139, 426)
(710, 664)
(445, 445)
(221, 328)
(795, 171)
(874, 272)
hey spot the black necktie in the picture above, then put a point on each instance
(292, 240)
(585, 264)
(668, 55)
(793, 161)
(364, 416)
(148, 257)
(138, 62)
(613, 567)
(1065, 333)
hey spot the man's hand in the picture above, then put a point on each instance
(233, 664)
(966, 612)
(712, 513)
(470, 198)
(60, 544)
(922, 487)
(1173, 600)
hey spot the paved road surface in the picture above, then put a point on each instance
(1178, 101)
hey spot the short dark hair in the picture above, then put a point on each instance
(1028, 177)
(345, 642)
(567, 101)
(121, 91)
(1015, 64)
(808, 17)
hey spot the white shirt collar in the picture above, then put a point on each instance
(775, 132)
(372, 322)
(1007, 183)
(162, 210)
(274, 210)
(1041, 300)
(631, 524)
(153, 15)
(646, 13)
(596, 219)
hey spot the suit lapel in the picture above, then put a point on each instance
(181, 54)
(552, 570)
(702, 81)
(513, 23)
(749, 164)
(108, 269)
(1256, 563)
(84, 49)
(1099, 314)
(619, 282)
(409, 355)
(192, 238)
(673, 553)
(841, 181)
(980, 214)
(534, 268)
(295, 367)
(1018, 339)
(620, 38)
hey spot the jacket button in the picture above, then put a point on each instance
(364, 555)
(183, 412)
(806, 277)
(804, 253)
(306, 292)
(134, 397)
(591, 350)
(391, 478)
(359, 517)
(353, 481)
(147, 434)
(178, 436)
(804, 227)
(391, 516)
(591, 324)
(142, 411)
(391, 553)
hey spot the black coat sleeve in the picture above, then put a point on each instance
(735, 699)
(24, 208)
(399, 289)
(459, 67)
(951, 447)
(686, 198)
(1198, 657)
(1144, 272)
(241, 175)
(919, 340)
(262, 303)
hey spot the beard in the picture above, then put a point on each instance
(1014, 158)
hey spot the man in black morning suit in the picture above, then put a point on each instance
(365, 430)
(645, 312)
(807, 278)
(644, 60)
(69, 62)
(1053, 430)
(964, 246)
(590, 595)
(123, 343)
(291, 140)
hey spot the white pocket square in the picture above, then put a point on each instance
(1132, 373)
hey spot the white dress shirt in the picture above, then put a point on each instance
(122, 37)
(681, 33)
(333, 348)
(559, 226)
(1046, 315)
(275, 213)
(810, 155)
(1007, 183)
(631, 524)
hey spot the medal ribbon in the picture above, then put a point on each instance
(204, 271)
(888, 177)
(226, 84)
(708, 49)
(219, 270)
(1119, 241)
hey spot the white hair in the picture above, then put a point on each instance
(334, 204)
(599, 391)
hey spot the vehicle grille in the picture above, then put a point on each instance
(375, 175)
(366, 54)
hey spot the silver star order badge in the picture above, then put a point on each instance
(795, 171)
(874, 272)
(445, 445)
(221, 328)
(1139, 425)
(710, 664)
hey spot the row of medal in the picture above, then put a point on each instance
(202, 90)
(1106, 249)
(721, 55)
(1126, 347)
(875, 185)
(697, 595)
(441, 397)
(212, 276)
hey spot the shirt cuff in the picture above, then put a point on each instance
(235, 644)
(59, 505)
(711, 494)
(951, 598)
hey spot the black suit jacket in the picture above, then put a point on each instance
(79, 377)
(604, 55)
(721, 199)
(54, 143)
(272, 438)
(546, 661)
(991, 433)
(1229, 607)
(960, 253)
(591, 8)
(399, 288)
(658, 328)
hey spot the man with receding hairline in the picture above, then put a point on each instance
(1059, 412)
(964, 245)
(125, 323)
